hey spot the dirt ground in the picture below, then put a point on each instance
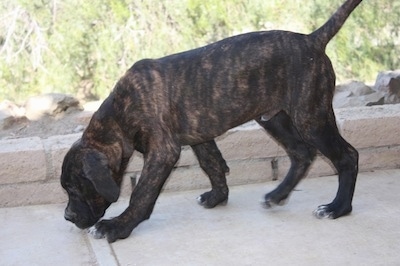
(45, 127)
(67, 122)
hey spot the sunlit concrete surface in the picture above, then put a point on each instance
(180, 232)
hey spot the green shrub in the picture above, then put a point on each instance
(83, 47)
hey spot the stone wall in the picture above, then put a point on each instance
(30, 167)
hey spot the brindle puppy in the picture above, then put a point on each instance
(283, 80)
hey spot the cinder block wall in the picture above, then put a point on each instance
(30, 167)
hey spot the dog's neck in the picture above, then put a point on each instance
(105, 135)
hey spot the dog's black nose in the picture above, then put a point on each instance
(69, 215)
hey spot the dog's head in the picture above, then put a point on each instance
(88, 180)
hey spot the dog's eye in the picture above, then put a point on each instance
(85, 187)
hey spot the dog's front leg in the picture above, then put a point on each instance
(158, 165)
(214, 165)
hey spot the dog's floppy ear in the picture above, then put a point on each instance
(96, 169)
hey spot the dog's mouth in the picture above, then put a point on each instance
(83, 217)
(79, 221)
(84, 225)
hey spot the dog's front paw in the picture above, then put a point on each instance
(331, 211)
(110, 229)
(212, 198)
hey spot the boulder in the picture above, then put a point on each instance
(52, 104)
(356, 88)
(10, 114)
(356, 94)
(388, 82)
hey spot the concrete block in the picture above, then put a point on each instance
(128, 183)
(241, 144)
(369, 159)
(192, 177)
(135, 163)
(56, 147)
(251, 171)
(379, 158)
(374, 126)
(30, 168)
(22, 160)
(320, 167)
(241, 172)
(186, 178)
(237, 144)
(187, 158)
(33, 193)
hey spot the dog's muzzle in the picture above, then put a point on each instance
(69, 215)
(82, 221)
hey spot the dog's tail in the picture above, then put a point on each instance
(325, 33)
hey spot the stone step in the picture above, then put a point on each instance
(30, 167)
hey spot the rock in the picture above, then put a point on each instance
(10, 114)
(92, 106)
(78, 129)
(341, 99)
(376, 98)
(388, 82)
(52, 104)
(356, 94)
(356, 88)
(10, 109)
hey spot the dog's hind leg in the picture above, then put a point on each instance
(301, 155)
(212, 163)
(320, 130)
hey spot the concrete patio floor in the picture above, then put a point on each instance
(180, 232)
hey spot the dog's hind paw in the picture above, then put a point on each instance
(269, 202)
(332, 211)
(323, 212)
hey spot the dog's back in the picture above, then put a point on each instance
(236, 79)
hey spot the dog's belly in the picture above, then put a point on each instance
(201, 127)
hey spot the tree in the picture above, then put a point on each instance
(83, 47)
